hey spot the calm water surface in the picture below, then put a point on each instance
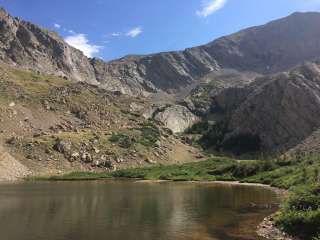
(131, 211)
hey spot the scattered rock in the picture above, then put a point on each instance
(149, 160)
(12, 104)
(135, 107)
(86, 157)
(74, 157)
(63, 146)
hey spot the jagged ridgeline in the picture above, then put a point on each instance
(274, 47)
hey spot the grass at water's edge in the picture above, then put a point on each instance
(300, 175)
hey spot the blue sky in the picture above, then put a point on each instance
(110, 29)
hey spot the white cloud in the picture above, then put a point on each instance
(81, 42)
(56, 25)
(116, 34)
(134, 32)
(71, 31)
(210, 7)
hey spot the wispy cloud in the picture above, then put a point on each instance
(56, 25)
(134, 32)
(116, 34)
(81, 42)
(210, 6)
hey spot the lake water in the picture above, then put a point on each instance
(123, 210)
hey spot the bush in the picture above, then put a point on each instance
(199, 128)
(123, 141)
(150, 134)
(301, 214)
(214, 136)
(244, 143)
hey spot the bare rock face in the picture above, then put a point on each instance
(204, 98)
(176, 118)
(281, 110)
(31, 47)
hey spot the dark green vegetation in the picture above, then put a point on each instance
(213, 139)
(300, 174)
(149, 136)
(282, 172)
(301, 214)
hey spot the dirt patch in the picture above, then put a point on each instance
(10, 168)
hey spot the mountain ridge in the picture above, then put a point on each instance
(262, 49)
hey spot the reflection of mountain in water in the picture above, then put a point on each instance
(124, 210)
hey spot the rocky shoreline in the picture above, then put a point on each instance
(268, 230)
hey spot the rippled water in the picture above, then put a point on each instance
(122, 210)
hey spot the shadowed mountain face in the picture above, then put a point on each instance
(274, 47)
(279, 111)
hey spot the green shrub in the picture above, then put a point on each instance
(150, 134)
(122, 140)
(241, 144)
(301, 214)
(199, 128)
(214, 136)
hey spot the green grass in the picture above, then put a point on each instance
(186, 172)
(281, 173)
(75, 176)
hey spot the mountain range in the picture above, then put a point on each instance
(258, 88)
(271, 48)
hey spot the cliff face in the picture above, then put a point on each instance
(274, 47)
(29, 46)
(281, 110)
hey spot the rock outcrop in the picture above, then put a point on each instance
(281, 110)
(176, 118)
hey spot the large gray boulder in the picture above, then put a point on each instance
(176, 118)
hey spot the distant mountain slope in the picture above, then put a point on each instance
(279, 111)
(270, 48)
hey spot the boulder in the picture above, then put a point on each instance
(177, 118)
(63, 146)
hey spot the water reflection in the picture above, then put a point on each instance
(126, 210)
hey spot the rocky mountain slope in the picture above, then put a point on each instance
(275, 113)
(50, 125)
(270, 48)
